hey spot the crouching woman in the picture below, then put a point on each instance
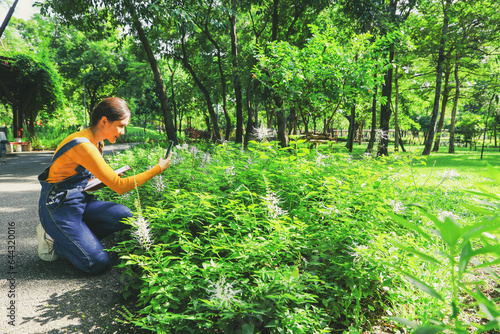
(72, 221)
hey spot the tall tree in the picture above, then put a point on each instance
(100, 15)
(187, 64)
(282, 21)
(236, 72)
(36, 87)
(439, 77)
(444, 103)
(451, 147)
(385, 18)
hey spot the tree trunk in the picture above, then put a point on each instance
(204, 90)
(293, 121)
(174, 105)
(275, 20)
(396, 125)
(495, 134)
(385, 109)
(439, 79)
(352, 128)
(360, 133)
(236, 75)
(371, 142)
(446, 96)
(451, 148)
(160, 86)
(223, 82)
(250, 122)
(282, 136)
(486, 124)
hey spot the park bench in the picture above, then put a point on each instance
(318, 138)
(20, 146)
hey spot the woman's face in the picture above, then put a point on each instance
(113, 130)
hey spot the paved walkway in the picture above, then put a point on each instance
(39, 297)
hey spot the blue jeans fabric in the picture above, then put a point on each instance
(77, 221)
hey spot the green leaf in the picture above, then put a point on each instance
(410, 226)
(487, 250)
(406, 322)
(455, 309)
(465, 257)
(479, 228)
(429, 330)
(429, 215)
(487, 306)
(450, 231)
(423, 256)
(423, 286)
(494, 174)
(247, 329)
(490, 326)
(477, 209)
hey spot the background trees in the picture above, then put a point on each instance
(315, 65)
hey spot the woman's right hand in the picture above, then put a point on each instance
(164, 163)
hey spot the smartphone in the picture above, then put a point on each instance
(170, 146)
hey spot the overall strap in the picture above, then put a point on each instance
(65, 148)
(69, 145)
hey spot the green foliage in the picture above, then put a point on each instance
(323, 76)
(469, 125)
(38, 83)
(51, 135)
(272, 240)
(255, 241)
(453, 262)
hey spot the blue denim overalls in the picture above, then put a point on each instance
(76, 220)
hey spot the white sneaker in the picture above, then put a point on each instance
(45, 245)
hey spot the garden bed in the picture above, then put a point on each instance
(269, 241)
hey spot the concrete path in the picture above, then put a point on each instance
(38, 297)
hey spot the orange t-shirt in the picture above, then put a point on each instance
(88, 155)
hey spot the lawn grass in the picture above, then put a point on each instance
(48, 137)
(463, 160)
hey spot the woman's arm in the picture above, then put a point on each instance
(89, 157)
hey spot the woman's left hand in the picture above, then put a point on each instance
(164, 163)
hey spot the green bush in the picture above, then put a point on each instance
(269, 240)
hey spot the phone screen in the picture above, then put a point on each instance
(170, 146)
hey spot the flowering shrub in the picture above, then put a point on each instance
(264, 240)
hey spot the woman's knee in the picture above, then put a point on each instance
(122, 211)
(97, 263)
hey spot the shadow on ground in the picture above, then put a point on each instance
(98, 317)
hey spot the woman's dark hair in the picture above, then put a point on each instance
(114, 108)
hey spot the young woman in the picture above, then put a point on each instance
(73, 221)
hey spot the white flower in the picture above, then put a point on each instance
(262, 132)
(158, 183)
(127, 196)
(142, 233)
(398, 207)
(450, 174)
(329, 210)
(205, 159)
(229, 174)
(183, 147)
(229, 171)
(193, 150)
(443, 214)
(272, 201)
(320, 160)
(222, 292)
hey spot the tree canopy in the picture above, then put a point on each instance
(313, 62)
